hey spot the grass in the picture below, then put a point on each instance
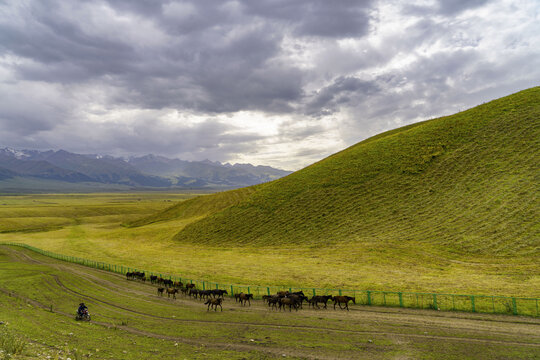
(10, 344)
(130, 322)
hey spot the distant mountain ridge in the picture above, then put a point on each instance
(143, 171)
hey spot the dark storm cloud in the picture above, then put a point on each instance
(59, 49)
(228, 65)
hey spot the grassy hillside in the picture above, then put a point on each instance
(196, 207)
(466, 183)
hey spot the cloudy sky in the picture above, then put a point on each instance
(276, 82)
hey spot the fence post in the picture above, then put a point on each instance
(339, 292)
(400, 299)
(268, 290)
(232, 291)
(369, 297)
(313, 292)
(514, 306)
(435, 302)
(248, 290)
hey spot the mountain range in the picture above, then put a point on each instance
(63, 167)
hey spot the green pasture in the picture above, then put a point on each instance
(39, 295)
(92, 227)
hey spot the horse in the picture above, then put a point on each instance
(343, 300)
(214, 302)
(273, 301)
(194, 292)
(172, 291)
(219, 293)
(299, 297)
(245, 298)
(153, 279)
(205, 294)
(292, 301)
(314, 301)
(160, 291)
(190, 286)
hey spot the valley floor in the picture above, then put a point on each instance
(90, 226)
(39, 295)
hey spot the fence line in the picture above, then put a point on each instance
(435, 301)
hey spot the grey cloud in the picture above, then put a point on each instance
(290, 131)
(211, 139)
(341, 92)
(219, 60)
(60, 51)
(452, 7)
(443, 7)
(317, 18)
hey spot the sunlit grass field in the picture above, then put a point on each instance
(92, 226)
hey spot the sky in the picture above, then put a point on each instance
(283, 83)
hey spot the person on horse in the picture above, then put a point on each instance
(81, 309)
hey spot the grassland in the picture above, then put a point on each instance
(129, 321)
(448, 205)
(91, 226)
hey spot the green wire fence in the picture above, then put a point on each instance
(445, 302)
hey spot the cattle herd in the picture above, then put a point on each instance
(214, 298)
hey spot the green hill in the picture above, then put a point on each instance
(466, 183)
